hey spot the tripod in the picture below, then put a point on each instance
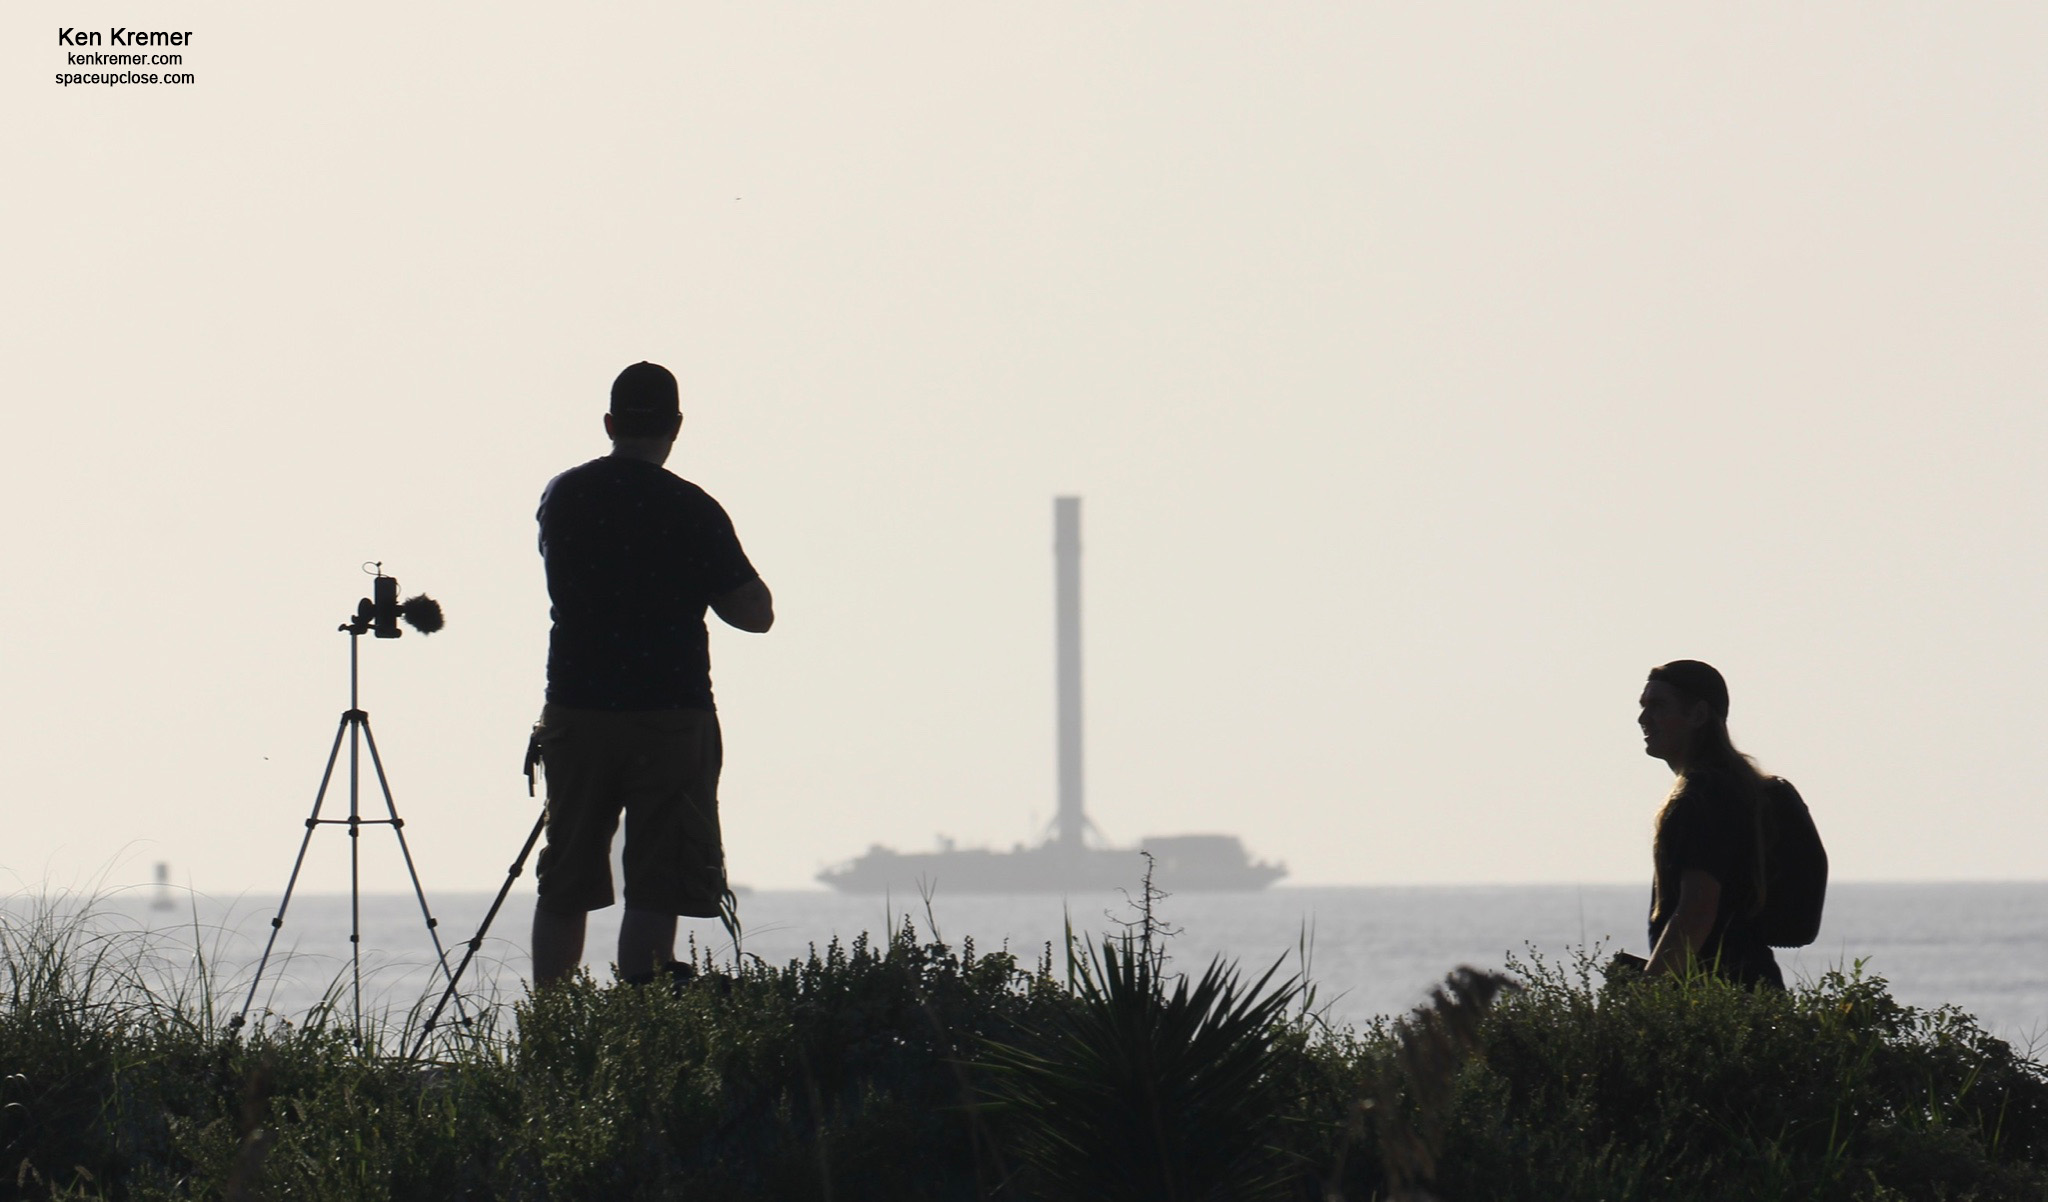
(476, 942)
(355, 727)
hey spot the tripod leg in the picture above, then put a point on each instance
(359, 726)
(312, 824)
(398, 828)
(477, 941)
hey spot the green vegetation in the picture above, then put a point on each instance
(1703, 1090)
(909, 1069)
(1146, 1086)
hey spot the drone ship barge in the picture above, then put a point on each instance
(1066, 862)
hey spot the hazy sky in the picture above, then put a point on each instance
(1429, 371)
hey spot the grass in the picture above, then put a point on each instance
(906, 1068)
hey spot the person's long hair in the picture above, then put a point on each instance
(1711, 753)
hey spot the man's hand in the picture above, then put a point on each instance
(748, 607)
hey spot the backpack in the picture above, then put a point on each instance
(1795, 869)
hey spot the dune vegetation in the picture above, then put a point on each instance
(902, 1067)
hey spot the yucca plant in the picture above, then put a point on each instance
(1148, 1087)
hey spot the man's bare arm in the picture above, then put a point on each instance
(748, 607)
(1699, 899)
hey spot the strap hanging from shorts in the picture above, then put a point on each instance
(532, 760)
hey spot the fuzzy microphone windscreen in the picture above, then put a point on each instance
(423, 613)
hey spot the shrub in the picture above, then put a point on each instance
(1701, 1089)
(841, 1075)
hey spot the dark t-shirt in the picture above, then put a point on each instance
(634, 555)
(1712, 827)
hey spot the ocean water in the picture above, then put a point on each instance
(1369, 950)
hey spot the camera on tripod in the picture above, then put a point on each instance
(379, 613)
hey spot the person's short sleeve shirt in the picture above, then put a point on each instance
(1703, 832)
(1708, 828)
(634, 554)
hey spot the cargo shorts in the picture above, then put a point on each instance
(658, 768)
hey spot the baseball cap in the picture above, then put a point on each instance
(645, 390)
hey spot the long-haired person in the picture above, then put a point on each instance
(1709, 849)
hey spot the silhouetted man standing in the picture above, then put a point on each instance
(1709, 857)
(634, 556)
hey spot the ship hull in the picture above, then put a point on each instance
(1052, 868)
